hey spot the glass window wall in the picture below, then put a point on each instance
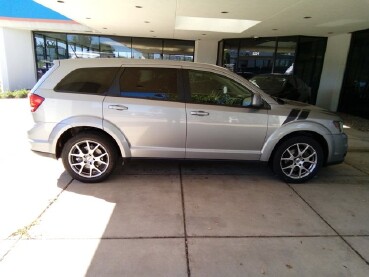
(52, 46)
(297, 55)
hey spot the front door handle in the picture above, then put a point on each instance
(199, 113)
(118, 107)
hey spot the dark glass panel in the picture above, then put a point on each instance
(115, 47)
(147, 48)
(309, 62)
(230, 54)
(355, 90)
(256, 56)
(285, 55)
(83, 46)
(178, 50)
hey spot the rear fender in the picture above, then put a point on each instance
(93, 122)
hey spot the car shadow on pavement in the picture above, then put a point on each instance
(137, 215)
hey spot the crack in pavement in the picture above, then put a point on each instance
(22, 233)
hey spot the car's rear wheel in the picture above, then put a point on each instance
(298, 159)
(89, 157)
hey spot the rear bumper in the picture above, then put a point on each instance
(39, 137)
(339, 149)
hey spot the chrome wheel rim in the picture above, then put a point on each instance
(88, 158)
(298, 160)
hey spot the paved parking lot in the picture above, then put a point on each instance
(164, 218)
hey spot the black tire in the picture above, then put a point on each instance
(93, 165)
(297, 159)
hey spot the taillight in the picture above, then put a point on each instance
(35, 101)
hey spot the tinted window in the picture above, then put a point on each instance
(88, 80)
(211, 88)
(149, 83)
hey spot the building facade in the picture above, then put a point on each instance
(335, 66)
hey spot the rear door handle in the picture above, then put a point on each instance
(118, 107)
(199, 113)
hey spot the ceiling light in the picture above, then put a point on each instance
(222, 25)
(151, 31)
(138, 7)
(274, 29)
(105, 28)
(88, 17)
(61, 2)
(307, 17)
(224, 12)
(203, 34)
(147, 21)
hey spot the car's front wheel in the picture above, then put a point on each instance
(89, 157)
(298, 159)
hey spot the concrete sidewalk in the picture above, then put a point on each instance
(180, 218)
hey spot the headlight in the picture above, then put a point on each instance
(338, 125)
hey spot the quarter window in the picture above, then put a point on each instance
(211, 88)
(149, 83)
(88, 80)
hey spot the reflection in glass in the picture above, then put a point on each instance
(147, 48)
(256, 56)
(83, 46)
(178, 50)
(230, 54)
(285, 55)
(115, 47)
(51, 46)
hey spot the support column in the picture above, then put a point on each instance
(333, 71)
(206, 51)
(17, 59)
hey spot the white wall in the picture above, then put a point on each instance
(206, 51)
(17, 59)
(333, 71)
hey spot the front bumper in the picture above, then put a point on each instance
(339, 149)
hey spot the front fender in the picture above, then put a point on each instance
(295, 127)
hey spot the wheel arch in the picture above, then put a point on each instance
(65, 136)
(63, 131)
(317, 132)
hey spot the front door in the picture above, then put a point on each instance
(221, 124)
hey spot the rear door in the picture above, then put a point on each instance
(221, 124)
(149, 111)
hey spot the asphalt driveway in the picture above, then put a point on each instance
(163, 218)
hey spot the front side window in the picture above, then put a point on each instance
(212, 88)
(149, 83)
(95, 80)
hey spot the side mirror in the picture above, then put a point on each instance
(257, 101)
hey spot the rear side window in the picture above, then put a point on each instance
(149, 83)
(95, 80)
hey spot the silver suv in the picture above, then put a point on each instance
(91, 112)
